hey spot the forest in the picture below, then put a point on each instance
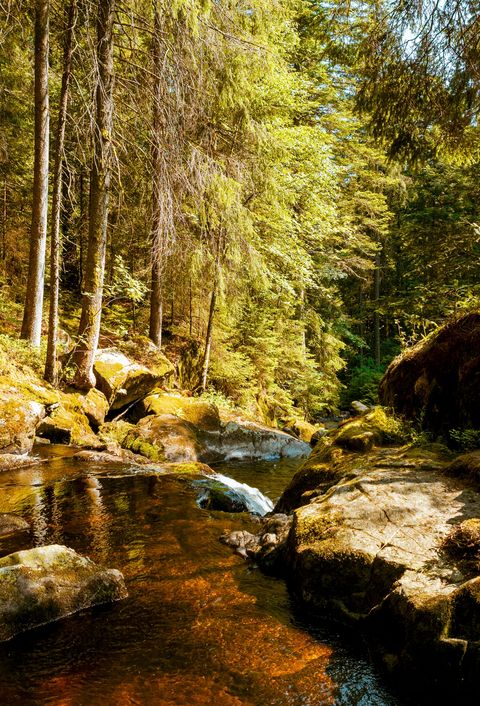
(239, 352)
(235, 182)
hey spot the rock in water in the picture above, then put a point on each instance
(10, 523)
(44, 584)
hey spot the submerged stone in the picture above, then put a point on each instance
(44, 584)
(10, 523)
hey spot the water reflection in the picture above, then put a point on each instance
(200, 627)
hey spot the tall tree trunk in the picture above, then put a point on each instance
(156, 308)
(32, 315)
(211, 314)
(4, 220)
(92, 290)
(376, 314)
(55, 245)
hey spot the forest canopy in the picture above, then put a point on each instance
(278, 194)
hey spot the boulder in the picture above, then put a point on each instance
(40, 585)
(164, 438)
(392, 545)
(437, 382)
(19, 417)
(241, 439)
(203, 415)
(95, 407)
(174, 438)
(67, 424)
(358, 408)
(122, 380)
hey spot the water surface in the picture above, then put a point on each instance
(200, 627)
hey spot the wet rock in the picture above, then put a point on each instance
(122, 380)
(10, 523)
(9, 461)
(267, 547)
(245, 543)
(319, 434)
(242, 439)
(40, 585)
(219, 497)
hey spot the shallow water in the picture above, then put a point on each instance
(199, 626)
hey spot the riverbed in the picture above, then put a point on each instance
(200, 625)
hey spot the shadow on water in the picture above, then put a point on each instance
(199, 627)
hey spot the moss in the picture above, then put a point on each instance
(140, 446)
(463, 540)
(466, 467)
(114, 432)
(201, 414)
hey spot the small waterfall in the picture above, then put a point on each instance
(252, 498)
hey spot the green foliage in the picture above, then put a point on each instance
(465, 439)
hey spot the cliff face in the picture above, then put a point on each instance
(437, 383)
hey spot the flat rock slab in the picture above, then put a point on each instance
(372, 550)
(38, 586)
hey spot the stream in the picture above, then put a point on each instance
(200, 626)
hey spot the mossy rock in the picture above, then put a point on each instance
(44, 584)
(164, 438)
(142, 350)
(19, 417)
(122, 380)
(203, 415)
(376, 427)
(95, 407)
(67, 424)
(467, 467)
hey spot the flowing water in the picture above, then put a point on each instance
(200, 626)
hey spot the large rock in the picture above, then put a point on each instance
(67, 423)
(170, 437)
(375, 549)
(203, 415)
(122, 380)
(19, 417)
(38, 586)
(437, 382)
(242, 439)
(333, 456)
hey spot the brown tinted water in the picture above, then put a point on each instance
(200, 626)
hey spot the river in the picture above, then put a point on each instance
(200, 626)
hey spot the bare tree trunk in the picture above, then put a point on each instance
(156, 309)
(211, 314)
(4, 221)
(92, 290)
(55, 245)
(376, 315)
(32, 315)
